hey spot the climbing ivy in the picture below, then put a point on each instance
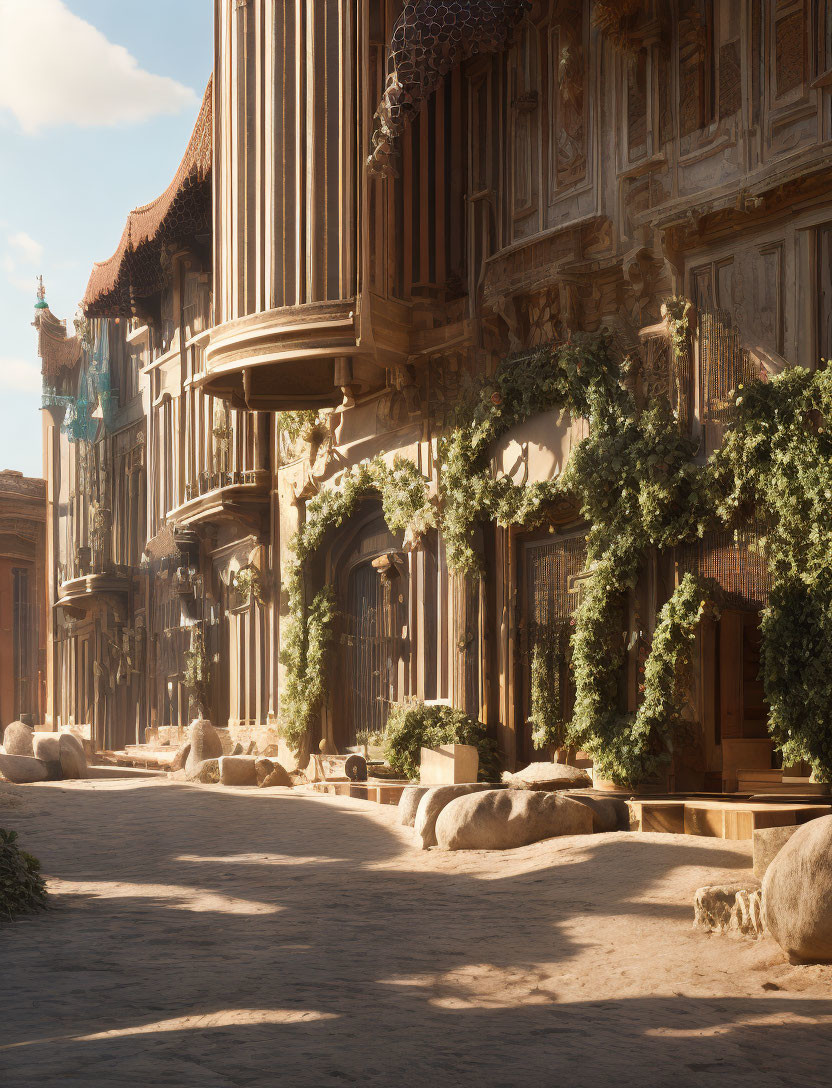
(407, 507)
(547, 715)
(776, 461)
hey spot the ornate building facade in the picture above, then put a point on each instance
(380, 203)
(22, 597)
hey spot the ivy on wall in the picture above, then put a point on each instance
(776, 460)
(407, 508)
(638, 483)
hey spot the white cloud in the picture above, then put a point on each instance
(57, 69)
(19, 376)
(25, 247)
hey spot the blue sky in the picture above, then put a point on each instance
(97, 101)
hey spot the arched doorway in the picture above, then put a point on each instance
(372, 585)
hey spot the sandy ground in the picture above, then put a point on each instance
(213, 937)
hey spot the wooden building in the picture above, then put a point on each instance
(22, 597)
(404, 195)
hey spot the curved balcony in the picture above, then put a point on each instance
(89, 592)
(240, 497)
(292, 358)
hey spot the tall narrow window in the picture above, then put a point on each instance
(824, 291)
(23, 621)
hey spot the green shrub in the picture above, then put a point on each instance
(22, 888)
(411, 726)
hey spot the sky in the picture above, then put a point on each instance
(97, 102)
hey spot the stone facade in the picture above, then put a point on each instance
(369, 262)
(22, 597)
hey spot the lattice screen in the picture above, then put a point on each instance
(725, 363)
(550, 573)
(735, 560)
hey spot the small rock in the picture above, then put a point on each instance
(23, 769)
(206, 743)
(207, 772)
(238, 771)
(768, 842)
(548, 776)
(505, 819)
(73, 757)
(729, 908)
(19, 740)
(48, 749)
(409, 804)
(238, 750)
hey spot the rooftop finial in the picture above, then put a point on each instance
(41, 303)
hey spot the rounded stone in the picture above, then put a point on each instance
(432, 803)
(355, 768)
(205, 742)
(19, 740)
(505, 819)
(73, 757)
(548, 776)
(409, 804)
(23, 769)
(797, 894)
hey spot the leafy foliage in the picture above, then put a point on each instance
(248, 583)
(406, 506)
(197, 678)
(411, 726)
(777, 461)
(547, 711)
(22, 888)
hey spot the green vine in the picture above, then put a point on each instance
(776, 462)
(248, 584)
(547, 710)
(197, 678)
(407, 507)
(677, 310)
(22, 888)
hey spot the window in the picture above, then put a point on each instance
(824, 292)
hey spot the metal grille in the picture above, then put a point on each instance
(24, 627)
(736, 560)
(725, 363)
(371, 644)
(552, 581)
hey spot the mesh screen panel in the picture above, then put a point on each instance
(735, 560)
(725, 363)
(549, 571)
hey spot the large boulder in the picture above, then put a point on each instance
(19, 740)
(238, 771)
(23, 769)
(207, 772)
(409, 804)
(797, 894)
(48, 749)
(548, 776)
(73, 757)
(277, 776)
(768, 842)
(432, 803)
(205, 742)
(608, 813)
(505, 819)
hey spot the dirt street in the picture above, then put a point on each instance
(213, 937)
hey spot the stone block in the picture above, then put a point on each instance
(448, 765)
(768, 842)
(729, 908)
(23, 769)
(238, 771)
